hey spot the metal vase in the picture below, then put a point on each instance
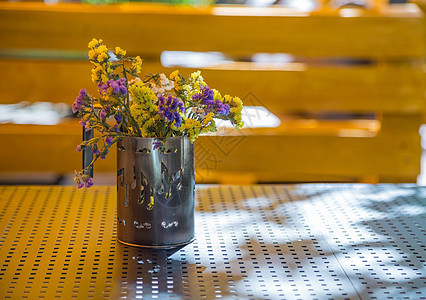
(155, 192)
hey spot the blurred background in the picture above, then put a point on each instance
(333, 90)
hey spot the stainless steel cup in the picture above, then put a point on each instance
(155, 192)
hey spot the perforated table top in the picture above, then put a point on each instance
(252, 242)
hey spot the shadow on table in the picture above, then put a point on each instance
(381, 241)
(390, 217)
(280, 243)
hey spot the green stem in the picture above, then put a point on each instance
(135, 124)
(95, 158)
(150, 77)
(127, 85)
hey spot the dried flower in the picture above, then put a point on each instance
(78, 103)
(153, 106)
(89, 182)
(95, 150)
(109, 140)
(169, 109)
(118, 117)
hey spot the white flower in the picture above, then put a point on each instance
(134, 81)
(156, 89)
(165, 82)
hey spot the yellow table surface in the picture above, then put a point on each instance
(315, 241)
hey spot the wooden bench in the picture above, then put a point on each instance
(350, 62)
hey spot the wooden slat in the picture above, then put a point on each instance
(313, 154)
(302, 156)
(278, 177)
(391, 89)
(398, 123)
(29, 148)
(325, 89)
(151, 29)
(52, 81)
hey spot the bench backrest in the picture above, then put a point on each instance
(347, 60)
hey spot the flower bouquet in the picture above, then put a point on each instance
(152, 106)
(154, 119)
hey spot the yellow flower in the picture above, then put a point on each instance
(175, 76)
(208, 123)
(192, 128)
(217, 95)
(102, 57)
(102, 49)
(104, 78)
(137, 64)
(119, 51)
(94, 42)
(187, 87)
(98, 55)
(92, 54)
(143, 108)
(208, 119)
(196, 77)
(236, 107)
(195, 82)
(142, 96)
(97, 69)
(148, 124)
(179, 84)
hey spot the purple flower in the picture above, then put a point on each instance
(78, 149)
(95, 150)
(208, 96)
(84, 124)
(122, 85)
(169, 109)
(76, 106)
(80, 185)
(118, 86)
(207, 92)
(104, 112)
(170, 117)
(115, 87)
(118, 118)
(102, 88)
(115, 127)
(178, 119)
(108, 140)
(173, 105)
(83, 93)
(225, 110)
(197, 97)
(221, 108)
(78, 103)
(89, 182)
(156, 144)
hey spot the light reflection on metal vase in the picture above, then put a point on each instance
(155, 192)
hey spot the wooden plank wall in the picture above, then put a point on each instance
(43, 49)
